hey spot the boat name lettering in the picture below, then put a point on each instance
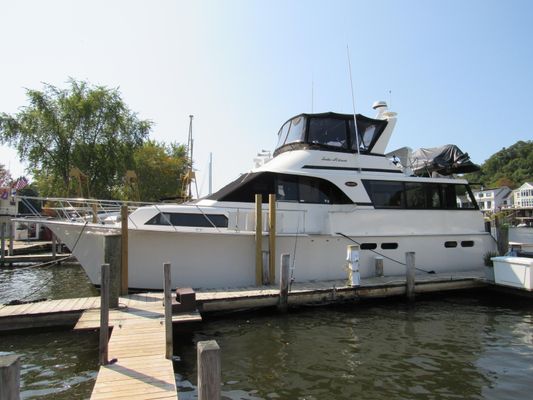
(334, 159)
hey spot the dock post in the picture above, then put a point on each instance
(284, 283)
(168, 311)
(378, 260)
(54, 246)
(112, 256)
(208, 353)
(258, 239)
(10, 377)
(3, 244)
(104, 315)
(124, 250)
(266, 261)
(272, 238)
(410, 275)
(352, 257)
(11, 237)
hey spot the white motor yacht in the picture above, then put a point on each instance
(334, 186)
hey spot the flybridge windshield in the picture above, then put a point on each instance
(329, 131)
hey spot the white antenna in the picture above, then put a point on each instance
(353, 102)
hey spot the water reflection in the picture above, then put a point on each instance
(439, 349)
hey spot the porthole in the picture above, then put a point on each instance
(450, 244)
(389, 246)
(467, 243)
(368, 246)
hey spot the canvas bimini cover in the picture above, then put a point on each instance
(443, 160)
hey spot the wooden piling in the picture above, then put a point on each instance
(104, 315)
(54, 246)
(258, 239)
(168, 311)
(284, 283)
(112, 256)
(3, 242)
(11, 237)
(266, 261)
(272, 238)
(124, 249)
(410, 275)
(378, 263)
(208, 353)
(9, 377)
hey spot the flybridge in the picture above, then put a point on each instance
(336, 132)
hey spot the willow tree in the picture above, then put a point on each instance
(159, 169)
(83, 126)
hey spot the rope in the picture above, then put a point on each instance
(383, 255)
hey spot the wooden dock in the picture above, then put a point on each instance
(137, 342)
(140, 369)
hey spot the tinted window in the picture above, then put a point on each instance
(368, 246)
(387, 194)
(467, 243)
(389, 246)
(450, 244)
(196, 220)
(286, 187)
(419, 195)
(422, 195)
(367, 134)
(328, 131)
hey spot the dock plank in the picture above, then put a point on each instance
(138, 344)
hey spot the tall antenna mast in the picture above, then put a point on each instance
(353, 103)
(190, 145)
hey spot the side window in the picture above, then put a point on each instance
(287, 189)
(296, 130)
(282, 134)
(386, 194)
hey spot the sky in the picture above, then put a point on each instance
(452, 70)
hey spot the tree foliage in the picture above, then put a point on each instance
(159, 168)
(510, 166)
(85, 127)
(5, 176)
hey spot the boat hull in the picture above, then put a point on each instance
(227, 260)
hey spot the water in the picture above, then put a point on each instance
(447, 348)
(467, 346)
(57, 364)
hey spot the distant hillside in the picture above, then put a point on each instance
(510, 166)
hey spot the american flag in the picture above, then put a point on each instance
(21, 183)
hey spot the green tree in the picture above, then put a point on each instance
(510, 166)
(5, 176)
(85, 127)
(159, 168)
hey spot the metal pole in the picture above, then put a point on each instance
(124, 250)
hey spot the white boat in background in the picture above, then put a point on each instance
(333, 185)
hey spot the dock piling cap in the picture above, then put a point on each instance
(8, 360)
